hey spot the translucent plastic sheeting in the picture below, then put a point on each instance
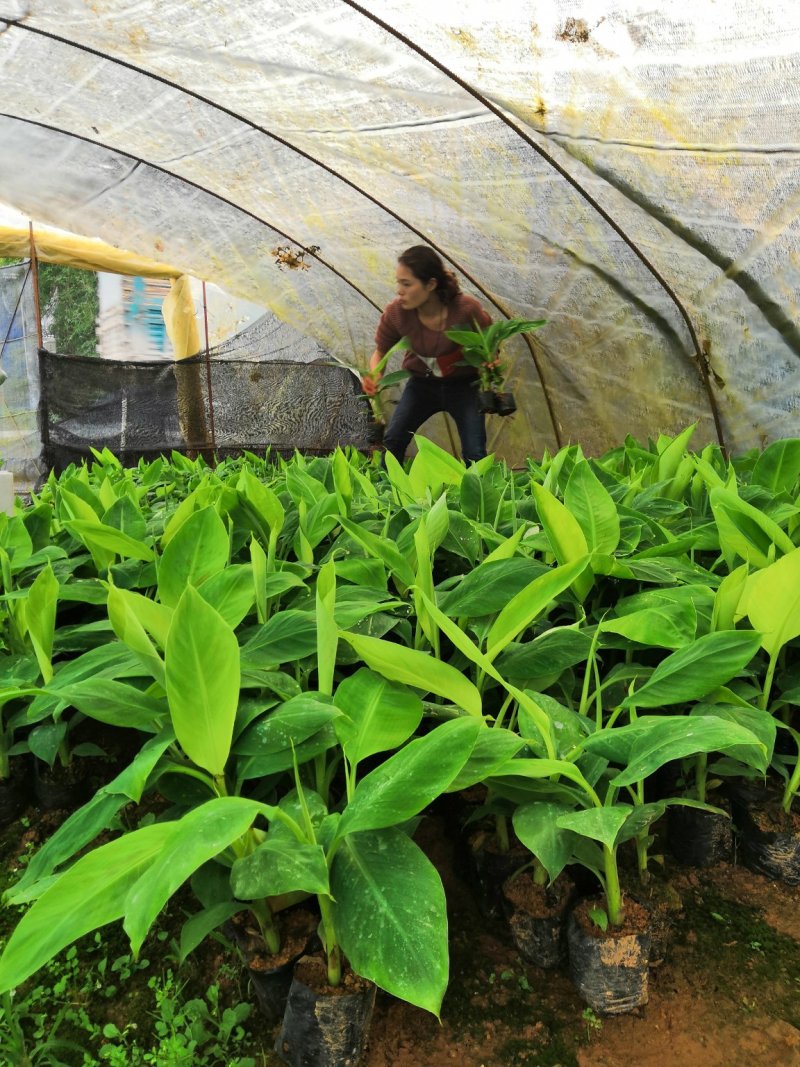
(20, 446)
(629, 172)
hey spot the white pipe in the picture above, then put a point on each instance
(7, 492)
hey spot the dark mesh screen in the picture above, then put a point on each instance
(146, 408)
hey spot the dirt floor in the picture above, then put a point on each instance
(724, 988)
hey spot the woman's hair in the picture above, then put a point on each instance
(425, 264)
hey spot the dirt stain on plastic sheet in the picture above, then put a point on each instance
(464, 39)
(574, 31)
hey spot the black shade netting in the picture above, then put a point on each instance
(221, 407)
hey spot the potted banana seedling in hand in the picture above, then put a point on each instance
(375, 384)
(482, 349)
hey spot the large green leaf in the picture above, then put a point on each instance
(198, 550)
(670, 625)
(263, 501)
(778, 466)
(568, 727)
(199, 497)
(463, 643)
(381, 548)
(542, 768)
(462, 537)
(530, 603)
(536, 827)
(44, 740)
(231, 592)
(115, 703)
(417, 669)
(727, 598)
(40, 617)
(391, 916)
(642, 816)
(670, 455)
(289, 635)
(692, 672)
(202, 680)
(745, 530)
(111, 660)
(355, 604)
(327, 633)
(342, 481)
(79, 830)
(293, 722)
(616, 744)
(598, 824)
(126, 515)
(771, 599)
(123, 613)
(281, 865)
(270, 762)
(398, 478)
(295, 810)
(16, 540)
(74, 508)
(564, 533)
(258, 570)
(96, 534)
(197, 928)
(90, 894)
(432, 468)
(493, 749)
(487, 588)
(675, 737)
(590, 502)
(321, 519)
(380, 716)
(198, 837)
(762, 724)
(412, 778)
(551, 653)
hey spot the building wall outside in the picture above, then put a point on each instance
(131, 326)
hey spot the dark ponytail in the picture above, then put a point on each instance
(425, 264)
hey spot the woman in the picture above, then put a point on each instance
(429, 301)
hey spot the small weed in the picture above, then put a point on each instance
(189, 1033)
(593, 1024)
(56, 1022)
(30, 1037)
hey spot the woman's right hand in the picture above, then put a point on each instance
(369, 382)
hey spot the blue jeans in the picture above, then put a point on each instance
(424, 397)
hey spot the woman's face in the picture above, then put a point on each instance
(412, 292)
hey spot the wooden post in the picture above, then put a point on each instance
(36, 301)
(208, 374)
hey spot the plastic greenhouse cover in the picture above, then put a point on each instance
(627, 171)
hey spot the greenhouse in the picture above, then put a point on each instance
(410, 677)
